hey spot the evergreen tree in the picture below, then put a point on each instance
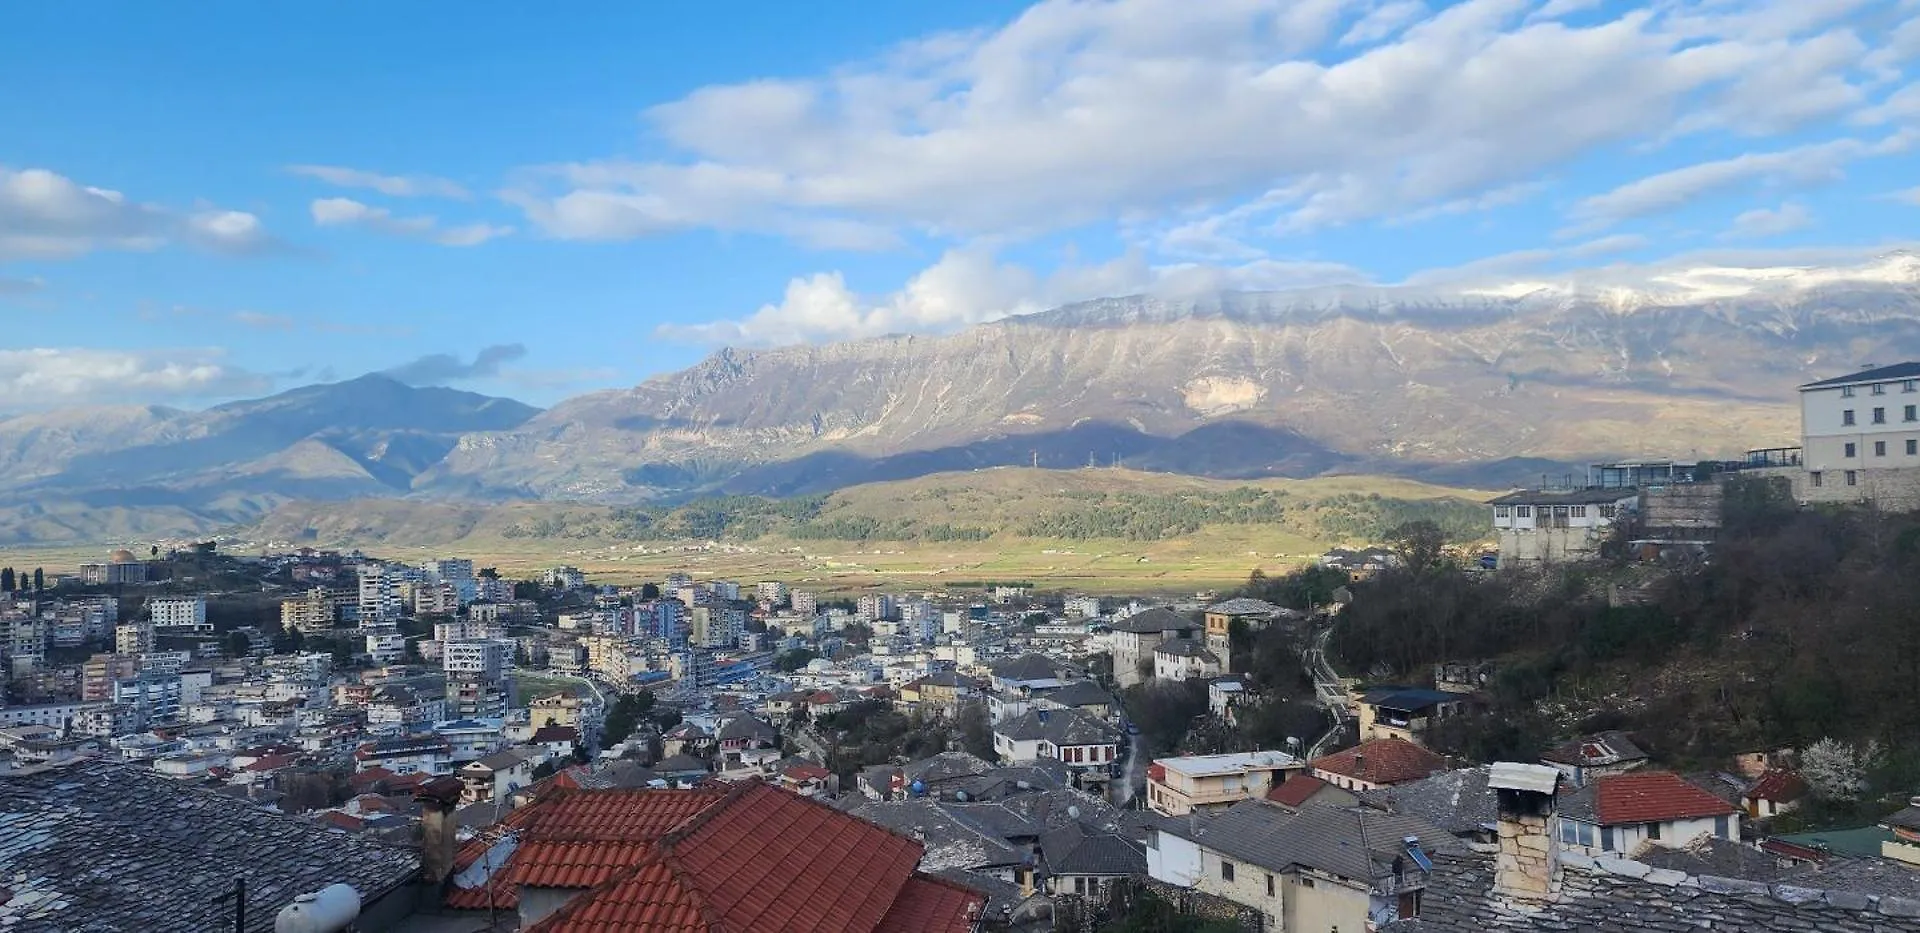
(6, 580)
(39, 580)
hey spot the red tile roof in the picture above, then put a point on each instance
(761, 858)
(1383, 762)
(1653, 797)
(1778, 786)
(1295, 791)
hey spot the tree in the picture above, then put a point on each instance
(627, 712)
(526, 589)
(789, 661)
(6, 580)
(39, 580)
(288, 641)
(489, 573)
(1421, 545)
(649, 591)
(238, 645)
(1836, 770)
(976, 729)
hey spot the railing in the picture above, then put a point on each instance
(1772, 457)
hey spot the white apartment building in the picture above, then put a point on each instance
(1860, 437)
(132, 638)
(177, 612)
(456, 572)
(379, 595)
(772, 591)
(386, 647)
(481, 659)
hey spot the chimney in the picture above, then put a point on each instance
(1527, 869)
(438, 799)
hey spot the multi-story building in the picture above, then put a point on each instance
(1860, 437)
(456, 572)
(804, 603)
(1178, 786)
(1544, 526)
(1137, 636)
(121, 568)
(564, 578)
(102, 671)
(713, 625)
(154, 698)
(178, 612)
(308, 614)
(484, 659)
(27, 645)
(436, 599)
(872, 607)
(133, 638)
(379, 595)
(385, 645)
(772, 591)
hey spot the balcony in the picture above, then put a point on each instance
(1771, 457)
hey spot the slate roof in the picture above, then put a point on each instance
(1060, 727)
(748, 728)
(546, 734)
(1564, 497)
(1080, 693)
(1185, 648)
(1880, 876)
(1245, 606)
(765, 859)
(1077, 849)
(1382, 761)
(950, 843)
(1908, 818)
(1620, 896)
(945, 767)
(1711, 855)
(1457, 801)
(1043, 774)
(1352, 842)
(677, 764)
(1029, 666)
(1897, 371)
(1410, 699)
(99, 847)
(1152, 621)
(1597, 750)
(615, 774)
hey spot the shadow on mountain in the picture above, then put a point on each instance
(1225, 450)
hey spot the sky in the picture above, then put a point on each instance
(215, 200)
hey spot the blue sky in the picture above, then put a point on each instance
(220, 199)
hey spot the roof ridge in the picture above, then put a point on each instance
(1785, 893)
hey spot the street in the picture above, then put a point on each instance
(1328, 689)
(1135, 776)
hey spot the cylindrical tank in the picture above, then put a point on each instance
(328, 910)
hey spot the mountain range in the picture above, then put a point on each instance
(1485, 386)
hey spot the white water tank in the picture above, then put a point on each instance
(328, 910)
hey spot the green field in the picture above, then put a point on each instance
(1098, 530)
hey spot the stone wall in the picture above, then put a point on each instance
(1525, 868)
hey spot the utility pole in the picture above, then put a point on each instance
(239, 897)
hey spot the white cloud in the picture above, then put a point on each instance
(1086, 112)
(1911, 196)
(45, 215)
(1766, 222)
(397, 186)
(969, 286)
(1796, 167)
(231, 232)
(346, 212)
(49, 377)
(260, 320)
(1503, 266)
(12, 286)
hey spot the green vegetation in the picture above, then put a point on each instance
(626, 714)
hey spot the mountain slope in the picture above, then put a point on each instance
(1297, 383)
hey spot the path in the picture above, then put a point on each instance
(1327, 688)
(1135, 775)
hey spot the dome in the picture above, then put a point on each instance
(122, 556)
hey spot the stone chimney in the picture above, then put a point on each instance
(438, 799)
(1527, 869)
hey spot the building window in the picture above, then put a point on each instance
(1853, 478)
(1306, 882)
(1879, 416)
(1910, 386)
(1579, 511)
(1846, 391)
(1269, 885)
(1911, 413)
(1226, 871)
(1609, 511)
(1879, 448)
(1815, 475)
(1913, 448)
(1879, 389)
(1079, 885)
(1653, 830)
(1851, 450)
(1846, 417)
(1501, 511)
(1720, 827)
(1523, 511)
(1606, 839)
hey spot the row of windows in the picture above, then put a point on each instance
(1576, 833)
(1909, 413)
(1226, 874)
(1880, 449)
(1880, 388)
(1564, 511)
(1819, 479)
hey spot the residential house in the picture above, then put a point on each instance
(682, 769)
(1226, 693)
(411, 754)
(687, 738)
(1321, 868)
(1547, 526)
(1184, 659)
(753, 857)
(1404, 713)
(1301, 790)
(1177, 786)
(1254, 614)
(1137, 636)
(1776, 792)
(747, 744)
(1376, 764)
(1460, 801)
(1082, 695)
(1014, 683)
(1085, 861)
(1361, 563)
(1598, 755)
(1618, 813)
(1086, 745)
(805, 778)
(499, 775)
(940, 693)
(557, 741)
(1905, 826)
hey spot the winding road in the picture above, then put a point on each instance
(1135, 776)
(1328, 689)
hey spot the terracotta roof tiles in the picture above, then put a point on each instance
(1382, 761)
(1296, 790)
(1653, 797)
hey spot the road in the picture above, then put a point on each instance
(1327, 687)
(1135, 776)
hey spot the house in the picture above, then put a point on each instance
(1082, 695)
(1184, 659)
(1376, 764)
(1225, 693)
(1460, 801)
(1619, 812)
(1405, 713)
(1548, 526)
(1598, 755)
(413, 754)
(1776, 792)
(687, 739)
(1177, 786)
(752, 857)
(98, 845)
(681, 769)
(1320, 868)
(1301, 790)
(498, 775)
(1860, 439)
(1084, 861)
(1084, 744)
(1136, 636)
(1254, 614)
(941, 692)
(557, 741)
(1359, 564)
(1905, 826)
(805, 778)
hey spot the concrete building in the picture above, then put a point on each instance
(1178, 786)
(309, 614)
(1135, 638)
(179, 612)
(456, 572)
(485, 659)
(1860, 438)
(1546, 526)
(379, 595)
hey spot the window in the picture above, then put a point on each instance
(1846, 417)
(1609, 511)
(1816, 477)
(1913, 448)
(1853, 478)
(1501, 511)
(1910, 386)
(1851, 450)
(1606, 838)
(1653, 830)
(1079, 885)
(1879, 416)
(1720, 827)
(1910, 413)
(1306, 882)
(1879, 448)
(1269, 885)
(1226, 871)
(1523, 511)
(1846, 391)
(1579, 511)
(1879, 389)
